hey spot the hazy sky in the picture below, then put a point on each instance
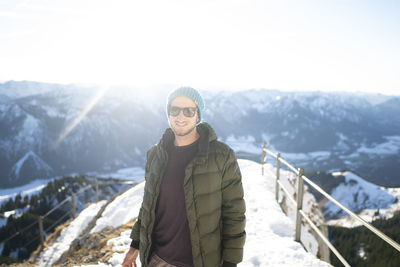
(341, 45)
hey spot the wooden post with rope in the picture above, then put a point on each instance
(299, 200)
(40, 219)
(278, 167)
(263, 157)
(73, 205)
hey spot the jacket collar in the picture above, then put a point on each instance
(207, 135)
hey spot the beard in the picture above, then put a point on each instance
(183, 132)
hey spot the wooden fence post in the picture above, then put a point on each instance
(73, 205)
(263, 157)
(300, 191)
(40, 219)
(278, 167)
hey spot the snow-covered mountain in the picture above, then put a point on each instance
(50, 130)
(362, 197)
(270, 233)
(318, 131)
(62, 131)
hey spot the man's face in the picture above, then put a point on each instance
(183, 125)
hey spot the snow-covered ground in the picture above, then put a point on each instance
(68, 234)
(15, 213)
(245, 144)
(132, 174)
(366, 199)
(32, 188)
(390, 147)
(270, 233)
(119, 211)
(356, 193)
(297, 158)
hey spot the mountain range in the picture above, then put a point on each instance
(50, 130)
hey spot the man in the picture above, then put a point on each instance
(192, 212)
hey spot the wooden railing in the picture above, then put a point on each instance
(73, 211)
(298, 202)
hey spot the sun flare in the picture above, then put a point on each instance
(100, 93)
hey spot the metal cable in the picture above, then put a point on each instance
(353, 215)
(57, 221)
(30, 242)
(387, 239)
(55, 208)
(324, 239)
(19, 232)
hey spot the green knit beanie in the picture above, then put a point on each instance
(190, 93)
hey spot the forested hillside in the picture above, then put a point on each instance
(360, 247)
(19, 213)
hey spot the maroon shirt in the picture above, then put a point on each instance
(171, 236)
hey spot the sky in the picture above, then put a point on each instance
(330, 45)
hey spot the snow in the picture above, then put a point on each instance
(16, 213)
(53, 112)
(369, 214)
(3, 108)
(245, 144)
(310, 206)
(3, 222)
(270, 233)
(30, 189)
(342, 143)
(120, 244)
(297, 158)
(118, 212)
(356, 193)
(68, 234)
(361, 253)
(39, 163)
(131, 174)
(31, 128)
(14, 254)
(390, 147)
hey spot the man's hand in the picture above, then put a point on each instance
(130, 257)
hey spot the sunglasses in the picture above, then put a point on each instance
(187, 111)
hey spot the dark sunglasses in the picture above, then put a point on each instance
(187, 111)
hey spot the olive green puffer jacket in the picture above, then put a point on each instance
(214, 201)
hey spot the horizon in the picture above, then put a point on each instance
(169, 87)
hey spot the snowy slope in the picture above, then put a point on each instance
(356, 193)
(119, 211)
(269, 231)
(30, 189)
(367, 199)
(30, 158)
(53, 253)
